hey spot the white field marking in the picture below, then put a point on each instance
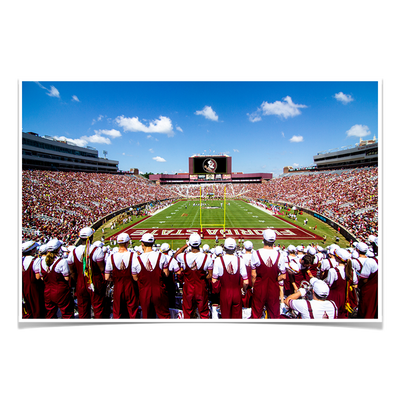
(269, 212)
(161, 209)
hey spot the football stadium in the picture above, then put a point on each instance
(99, 243)
(58, 204)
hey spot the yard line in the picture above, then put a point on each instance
(265, 211)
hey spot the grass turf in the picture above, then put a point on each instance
(239, 214)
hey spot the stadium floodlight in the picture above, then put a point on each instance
(214, 224)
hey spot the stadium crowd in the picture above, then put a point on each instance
(55, 204)
(348, 197)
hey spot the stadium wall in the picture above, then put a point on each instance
(112, 215)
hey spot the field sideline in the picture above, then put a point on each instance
(175, 223)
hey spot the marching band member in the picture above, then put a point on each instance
(126, 293)
(328, 262)
(87, 266)
(247, 295)
(173, 268)
(229, 276)
(55, 274)
(268, 270)
(32, 285)
(293, 275)
(368, 285)
(317, 308)
(196, 268)
(149, 269)
(337, 281)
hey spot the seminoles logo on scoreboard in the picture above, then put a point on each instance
(209, 165)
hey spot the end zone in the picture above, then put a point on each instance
(292, 233)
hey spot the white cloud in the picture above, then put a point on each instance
(151, 150)
(109, 132)
(52, 92)
(358, 131)
(255, 116)
(160, 125)
(178, 128)
(343, 98)
(99, 118)
(79, 142)
(97, 138)
(208, 113)
(159, 159)
(296, 139)
(285, 108)
(235, 150)
(283, 135)
(75, 98)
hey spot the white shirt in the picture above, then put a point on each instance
(247, 258)
(332, 275)
(231, 260)
(356, 263)
(320, 309)
(98, 254)
(173, 264)
(118, 259)
(267, 254)
(62, 267)
(370, 266)
(150, 257)
(26, 261)
(294, 263)
(325, 264)
(195, 259)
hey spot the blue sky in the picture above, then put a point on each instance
(155, 126)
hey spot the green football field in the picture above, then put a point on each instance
(174, 225)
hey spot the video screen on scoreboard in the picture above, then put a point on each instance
(210, 165)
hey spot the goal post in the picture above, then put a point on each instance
(202, 221)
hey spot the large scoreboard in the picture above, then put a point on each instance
(210, 167)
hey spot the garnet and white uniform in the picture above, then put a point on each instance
(326, 264)
(32, 289)
(293, 274)
(230, 272)
(153, 297)
(248, 296)
(57, 293)
(336, 280)
(170, 284)
(126, 292)
(269, 265)
(195, 293)
(88, 296)
(314, 309)
(368, 303)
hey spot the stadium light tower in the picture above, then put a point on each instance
(105, 152)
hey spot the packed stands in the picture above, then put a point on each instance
(58, 204)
